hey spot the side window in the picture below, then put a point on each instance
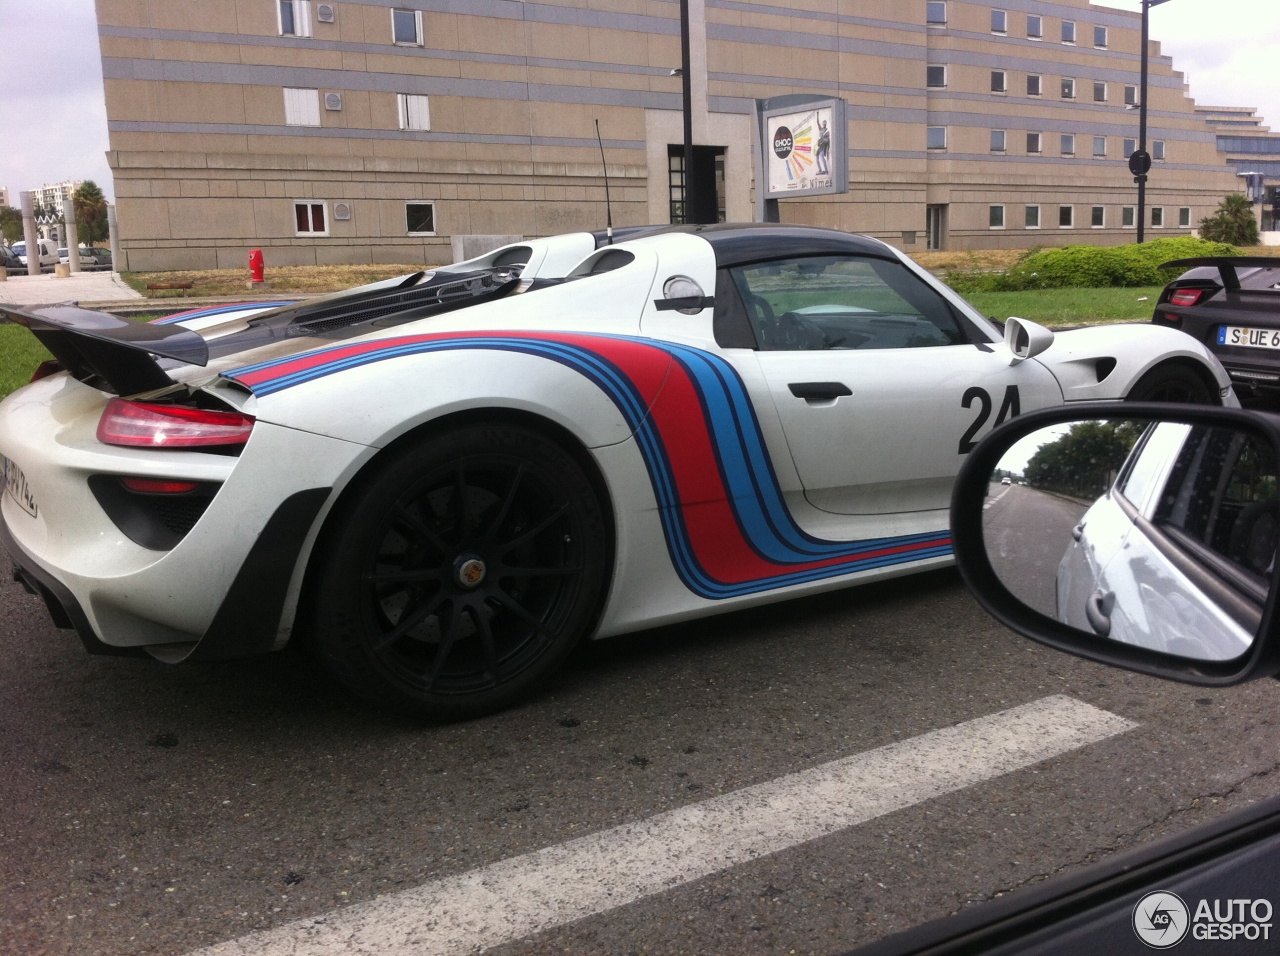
(1149, 463)
(843, 302)
(1222, 495)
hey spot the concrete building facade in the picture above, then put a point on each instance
(367, 130)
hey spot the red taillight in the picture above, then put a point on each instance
(144, 425)
(159, 486)
(1185, 297)
(1168, 318)
(45, 369)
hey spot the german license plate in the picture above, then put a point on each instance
(14, 483)
(1249, 338)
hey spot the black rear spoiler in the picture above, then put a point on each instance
(1227, 266)
(103, 349)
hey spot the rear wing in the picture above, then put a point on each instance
(1227, 266)
(106, 350)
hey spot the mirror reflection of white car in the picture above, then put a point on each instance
(1177, 555)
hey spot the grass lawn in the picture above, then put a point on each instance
(280, 280)
(1070, 306)
(20, 353)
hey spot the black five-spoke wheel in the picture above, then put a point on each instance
(1172, 383)
(462, 573)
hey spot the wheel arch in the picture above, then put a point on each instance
(424, 432)
(1197, 368)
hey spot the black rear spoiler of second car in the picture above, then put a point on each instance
(101, 348)
(1226, 266)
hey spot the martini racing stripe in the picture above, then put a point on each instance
(217, 310)
(725, 521)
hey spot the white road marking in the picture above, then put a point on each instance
(991, 501)
(537, 891)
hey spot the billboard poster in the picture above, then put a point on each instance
(804, 151)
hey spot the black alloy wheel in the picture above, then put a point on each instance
(463, 573)
(1172, 383)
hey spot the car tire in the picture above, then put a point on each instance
(462, 573)
(1172, 382)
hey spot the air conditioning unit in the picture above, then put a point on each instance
(342, 210)
(333, 101)
(324, 13)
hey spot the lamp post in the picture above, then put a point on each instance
(1140, 161)
(686, 90)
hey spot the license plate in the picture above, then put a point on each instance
(14, 483)
(1249, 338)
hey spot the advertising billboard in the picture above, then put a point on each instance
(806, 152)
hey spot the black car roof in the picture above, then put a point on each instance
(739, 243)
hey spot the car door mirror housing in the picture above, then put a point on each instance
(1134, 534)
(1025, 339)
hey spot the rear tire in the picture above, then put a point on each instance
(1172, 382)
(462, 574)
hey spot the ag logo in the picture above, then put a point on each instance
(782, 142)
(1161, 920)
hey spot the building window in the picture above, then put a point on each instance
(301, 107)
(935, 12)
(995, 217)
(1068, 31)
(1130, 95)
(1066, 217)
(415, 111)
(999, 21)
(999, 81)
(935, 77)
(997, 141)
(1033, 217)
(1099, 92)
(1033, 84)
(294, 18)
(406, 26)
(1068, 143)
(1157, 217)
(309, 219)
(1127, 218)
(1098, 217)
(1100, 146)
(1068, 88)
(1184, 216)
(1130, 147)
(420, 218)
(936, 137)
(1033, 142)
(1100, 37)
(1157, 149)
(1035, 28)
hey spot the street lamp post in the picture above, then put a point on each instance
(1140, 161)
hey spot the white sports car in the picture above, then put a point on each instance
(447, 480)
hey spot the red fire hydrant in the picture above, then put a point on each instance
(257, 268)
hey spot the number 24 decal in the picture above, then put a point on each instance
(1008, 409)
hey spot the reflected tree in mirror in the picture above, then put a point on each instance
(1159, 535)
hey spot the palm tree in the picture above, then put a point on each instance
(1233, 222)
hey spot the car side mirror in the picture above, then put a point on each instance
(1025, 339)
(1135, 534)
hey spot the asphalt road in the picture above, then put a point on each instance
(150, 809)
(1027, 532)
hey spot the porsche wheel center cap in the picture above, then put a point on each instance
(468, 571)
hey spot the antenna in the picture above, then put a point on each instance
(608, 207)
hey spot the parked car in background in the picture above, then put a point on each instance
(47, 251)
(9, 259)
(87, 257)
(1232, 305)
(101, 254)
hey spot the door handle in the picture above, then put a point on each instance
(827, 391)
(1078, 531)
(1098, 611)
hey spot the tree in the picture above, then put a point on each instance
(10, 224)
(1233, 222)
(91, 213)
(1083, 462)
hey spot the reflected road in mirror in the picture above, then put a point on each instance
(1026, 532)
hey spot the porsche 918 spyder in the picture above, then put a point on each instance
(444, 481)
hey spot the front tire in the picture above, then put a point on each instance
(462, 574)
(1172, 383)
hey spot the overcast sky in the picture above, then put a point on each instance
(53, 126)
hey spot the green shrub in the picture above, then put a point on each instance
(1090, 267)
